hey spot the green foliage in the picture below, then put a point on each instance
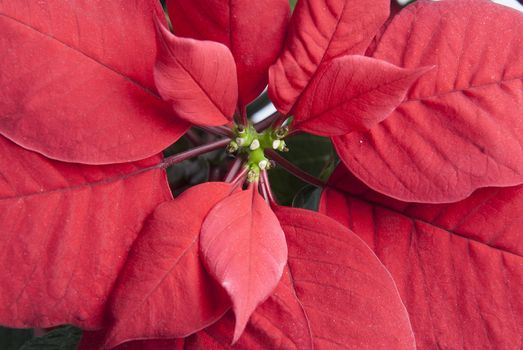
(313, 154)
(63, 338)
(13, 339)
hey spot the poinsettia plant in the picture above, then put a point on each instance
(417, 240)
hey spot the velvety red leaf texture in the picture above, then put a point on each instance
(254, 31)
(164, 291)
(198, 78)
(243, 247)
(65, 232)
(278, 323)
(75, 87)
(460, 127)
(458, 267)
(333, 284)
(321, 30)
(352, 93)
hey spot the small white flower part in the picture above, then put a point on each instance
(276, 144)
(263, 164)
(240, 141)
(255, 144)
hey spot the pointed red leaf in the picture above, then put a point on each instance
(352, 93)
(65, 231)
(197, 77)
(164, 291)
(459, 267)
(460, 127)
(243, 247)
(335, 293)
(76, 80)
(280, 322)
(254, 31)
(320, 31)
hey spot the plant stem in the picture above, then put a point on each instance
(294, 133)
(240, 177)
(217, 130)
(265, 123)
(264, 180)
(193, 138)
(293, 169)
(233, 170)
(180, 157)
(278, 123)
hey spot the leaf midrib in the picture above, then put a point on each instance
(414, 219)
(117, 72)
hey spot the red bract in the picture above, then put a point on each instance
(243, 248)
(332, 285)
(458, 266)
(66, 230)
(432, 115)
(460, 127)
(77, 80)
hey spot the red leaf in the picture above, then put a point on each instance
(352, 93)
(164, 291)
(197, 77)
(253, 31)
(334, 291)
(280, 322)
(74, 73)
(459, 267)
(320, 31)
(460, 127)
(65, 231)
(243, 247)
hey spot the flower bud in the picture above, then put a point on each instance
(240, 141)
(263, 164)
(281, 132)
(255, 144)
(232, 147)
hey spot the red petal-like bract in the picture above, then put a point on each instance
(460, 127)
(65, 233)
(197, 77)
(76, 80)
(352, 93)
(321, 30)
(458, 267)
(253, 30)
(164, 291)
(243, 247)
(334, 293)
(278, 323)
(334, 290)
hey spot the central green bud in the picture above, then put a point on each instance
(247, 141)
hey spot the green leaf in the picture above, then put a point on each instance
(12, 339)
(307, 198)
(63, 338)
(313, 154)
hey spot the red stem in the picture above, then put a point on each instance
(293, 169)
(233, 170)
(240, 177)
(217, 130)
(278, 123)
(264, 179)
(180, 157)
(265, 123)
